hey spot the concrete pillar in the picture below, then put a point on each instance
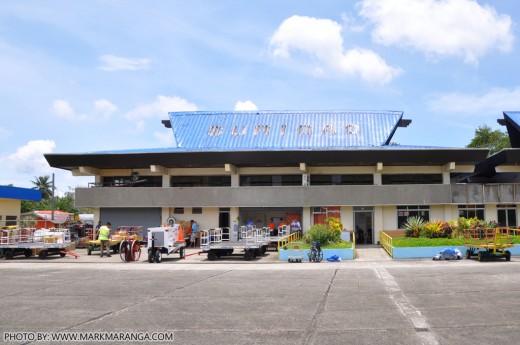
(490, 212)
(378, 179)
(306, 218)
(378, 222)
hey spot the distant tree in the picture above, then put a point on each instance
(485, 137)
(43, 184)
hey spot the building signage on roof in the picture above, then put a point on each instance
(217, 130)
(282, 130)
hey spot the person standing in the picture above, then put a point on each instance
(104, 233)
(296, 227)
(194, 233)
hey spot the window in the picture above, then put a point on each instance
(178, 210)
(132, 181)
(320, 213)
(321, 180)
(200, 181)
(506, 215)
(10, 220)
(403, 212)
(271, 180)
(196, 210)
(471, 211)
(412, 179)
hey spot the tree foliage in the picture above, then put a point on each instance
(485, 137)
(44, 185)
(64, 203)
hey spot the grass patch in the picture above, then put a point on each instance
(426, 242)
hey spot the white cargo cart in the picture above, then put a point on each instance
(22, 241)
(165, 240)
(283, 231)
(218, 242)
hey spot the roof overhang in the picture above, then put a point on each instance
(505, 157)
(389, 156)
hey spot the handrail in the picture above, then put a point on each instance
(386, 242)
(283, 241)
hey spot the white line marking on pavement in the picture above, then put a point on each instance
(420, 324)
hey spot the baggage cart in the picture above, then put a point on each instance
(114, 242)
(486, 243)
(217, 243)
(26, 241)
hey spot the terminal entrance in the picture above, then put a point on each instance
(363, 225)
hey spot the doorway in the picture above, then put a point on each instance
(363, 225)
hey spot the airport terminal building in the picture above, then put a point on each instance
(229, 168)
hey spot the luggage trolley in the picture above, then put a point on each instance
(165, 240)
(22, 241)
(217, 243)
(489, 242)
(122, 233)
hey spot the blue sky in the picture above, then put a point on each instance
(79, 76)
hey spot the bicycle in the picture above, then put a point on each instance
(315, 254)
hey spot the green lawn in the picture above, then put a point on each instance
(426, 242)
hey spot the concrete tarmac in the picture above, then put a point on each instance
(265, 301)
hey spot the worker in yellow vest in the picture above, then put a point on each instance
(104, 233)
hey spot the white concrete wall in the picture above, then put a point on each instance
(208, 219)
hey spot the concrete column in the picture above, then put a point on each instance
(166, 181)
(165, 214)
(490, 212)
(378, 179)
(378, 222)
(235, 180)
(306, 218)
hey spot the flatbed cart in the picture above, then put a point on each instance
(213, 242)
(114, 242)
(17, 242)
(165, 240)
(488, 243)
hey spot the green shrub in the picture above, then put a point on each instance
(330, 232)
(413, 226)
(317, 232)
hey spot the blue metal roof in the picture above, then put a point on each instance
(513, 115)
(287, 130)
(7, 192)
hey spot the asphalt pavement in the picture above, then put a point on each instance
(264, 301)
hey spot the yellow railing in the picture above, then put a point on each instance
(386, 242)
(283, 241)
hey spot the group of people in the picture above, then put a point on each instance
(295, 226)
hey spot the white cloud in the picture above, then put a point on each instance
(102, 108)
(29, 158)
(320, 42)
(461, 28)
(159, 109)
(164, 137)
(245, 105)
(113, 63)
(62, 109)
(492, 103)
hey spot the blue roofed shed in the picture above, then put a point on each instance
(10, 202)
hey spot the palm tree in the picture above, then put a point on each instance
(43, 184)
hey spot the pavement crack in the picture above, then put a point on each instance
(117, 311)
(311, 330)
